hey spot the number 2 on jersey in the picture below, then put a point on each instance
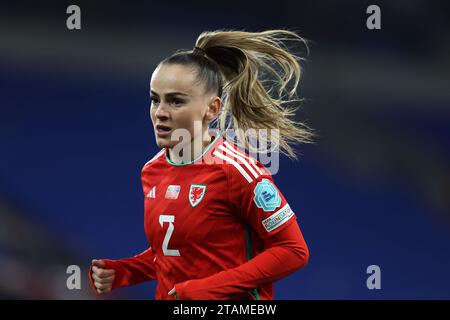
(170, 219)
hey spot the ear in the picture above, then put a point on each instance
(213, 110)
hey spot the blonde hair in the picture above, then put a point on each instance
(257, 76)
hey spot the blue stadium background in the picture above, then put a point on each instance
(75, 132)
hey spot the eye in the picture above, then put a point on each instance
(177, 101)
(154, 100)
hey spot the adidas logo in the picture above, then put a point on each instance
(152, 193)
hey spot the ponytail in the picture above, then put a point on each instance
(257, 77)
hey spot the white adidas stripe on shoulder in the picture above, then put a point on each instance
(243, 163)
(161, 152)
(240, 158)
(252, 161)
(235, 164)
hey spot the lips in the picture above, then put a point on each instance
(162, 130)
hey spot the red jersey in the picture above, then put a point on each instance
(218, 228)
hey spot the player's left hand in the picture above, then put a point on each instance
(173, 293)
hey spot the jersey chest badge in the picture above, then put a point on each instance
(172, 192)
(196, 194)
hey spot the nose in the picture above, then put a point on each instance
(161, 112)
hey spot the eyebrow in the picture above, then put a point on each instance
(170, 94)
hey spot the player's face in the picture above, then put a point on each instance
(177, 102)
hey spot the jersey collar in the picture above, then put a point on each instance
(216, 134)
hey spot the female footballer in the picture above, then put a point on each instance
(217, 225)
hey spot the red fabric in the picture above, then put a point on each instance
(129, 271)
(287, 253)
(199, 234)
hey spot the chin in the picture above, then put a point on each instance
(164, 143)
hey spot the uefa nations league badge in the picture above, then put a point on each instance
(266, 196)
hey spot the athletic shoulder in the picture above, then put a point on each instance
(238, 163)
(156, 159)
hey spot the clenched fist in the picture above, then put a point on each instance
(103, 278)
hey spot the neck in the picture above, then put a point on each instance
(192, 150)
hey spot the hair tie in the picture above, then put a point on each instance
(198, 51)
